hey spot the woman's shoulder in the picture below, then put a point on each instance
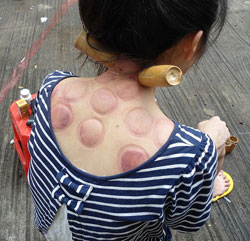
(188, 134)
(191, 146)
(197, 147)
(51, 81)
(56, 75)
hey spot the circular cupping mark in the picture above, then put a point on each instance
(127, 89)
(131, 156)
(91, 132)
(61, 117)
(103, 101)
(76, 91)
(139, 121)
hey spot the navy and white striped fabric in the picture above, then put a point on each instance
(173, 189)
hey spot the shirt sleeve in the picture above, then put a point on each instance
(45, 80)
(189, 201)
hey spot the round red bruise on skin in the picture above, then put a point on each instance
(91, 132)
(103, 101)
(160, 133)
(139, 121)
(132, 156)
(61, 117)
(74, 91)
(127, 89)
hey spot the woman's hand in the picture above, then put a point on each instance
(216, 129)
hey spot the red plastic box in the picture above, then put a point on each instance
(21, 135)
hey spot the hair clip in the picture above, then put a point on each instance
(160, 76)
(85, 43)
(155, 76)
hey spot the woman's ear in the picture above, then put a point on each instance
(192, 44)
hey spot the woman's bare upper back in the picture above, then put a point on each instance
(108, 124)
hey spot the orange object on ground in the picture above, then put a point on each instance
(21, 135)
(231, 144)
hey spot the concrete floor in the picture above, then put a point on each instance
(218, 85)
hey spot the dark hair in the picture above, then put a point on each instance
(143, 29)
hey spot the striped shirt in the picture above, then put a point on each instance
(173, 189)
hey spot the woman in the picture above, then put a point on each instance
(107, 164)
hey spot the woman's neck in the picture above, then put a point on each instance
(125, 73)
